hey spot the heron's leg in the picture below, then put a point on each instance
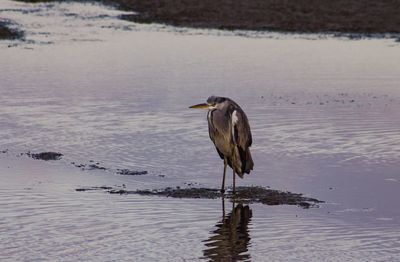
(234, 178)
(223, 207)
(223, 177)
(234, 175)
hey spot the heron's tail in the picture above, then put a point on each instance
(245, 165)
(248, 165)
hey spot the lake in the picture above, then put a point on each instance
(324, 113)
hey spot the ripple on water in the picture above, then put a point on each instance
(372, 136)
(315, 239)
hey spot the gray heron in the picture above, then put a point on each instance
(229, 130)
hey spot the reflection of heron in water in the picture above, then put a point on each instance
(230, 240)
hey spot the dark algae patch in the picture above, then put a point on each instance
(245, 195)
(45, 155)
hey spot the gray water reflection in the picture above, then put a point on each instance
(231, 238)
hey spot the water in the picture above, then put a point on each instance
(324, 114)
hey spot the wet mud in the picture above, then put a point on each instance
(244, 195)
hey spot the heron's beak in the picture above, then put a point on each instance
(204, 105)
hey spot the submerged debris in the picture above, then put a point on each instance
(45, 156)
(247, 195)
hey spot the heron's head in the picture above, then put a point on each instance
(213, 102)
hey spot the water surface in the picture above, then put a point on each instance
(324, 115)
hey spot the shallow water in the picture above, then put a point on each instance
(324, 115)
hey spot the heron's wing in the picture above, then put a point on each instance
(241, 136)
(241, 133)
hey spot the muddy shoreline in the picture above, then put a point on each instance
(307, 16)
(244, 195)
